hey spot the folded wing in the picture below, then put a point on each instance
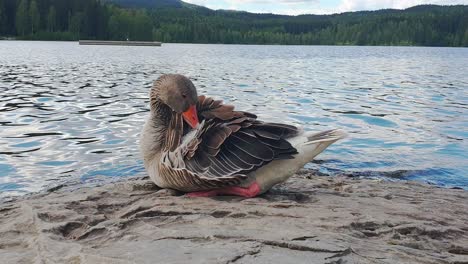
(234, 143)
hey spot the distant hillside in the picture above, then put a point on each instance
(177, 21)
(151, 4)
(147, 3)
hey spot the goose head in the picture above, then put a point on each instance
(177, 93)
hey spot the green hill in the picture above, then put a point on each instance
(147, 3)
(153, 4)
(177, 21)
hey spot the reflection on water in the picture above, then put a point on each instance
(70, 112)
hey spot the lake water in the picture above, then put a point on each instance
(71, 113)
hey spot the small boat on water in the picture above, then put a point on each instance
(120, 43)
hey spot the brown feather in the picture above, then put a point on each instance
(228, 145)
(174, 132)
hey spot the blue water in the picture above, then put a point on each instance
(71, 113)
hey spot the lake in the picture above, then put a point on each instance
(71, 113)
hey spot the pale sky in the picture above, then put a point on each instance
(297, 7)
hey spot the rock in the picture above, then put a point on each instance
(308, 219)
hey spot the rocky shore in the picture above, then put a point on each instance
(308, 219)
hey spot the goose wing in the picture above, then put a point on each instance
(225, 147)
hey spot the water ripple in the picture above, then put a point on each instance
(70, 112)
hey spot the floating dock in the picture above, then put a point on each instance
(120, 43)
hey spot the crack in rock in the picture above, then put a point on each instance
(303, 238)
(248, 253)
(272, 243)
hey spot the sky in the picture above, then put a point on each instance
(297, 7)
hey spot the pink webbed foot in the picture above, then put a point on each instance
(249, 192)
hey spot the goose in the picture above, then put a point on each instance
(202, 147)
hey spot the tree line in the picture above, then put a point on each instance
(93, 19)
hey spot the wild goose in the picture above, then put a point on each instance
(199, 145)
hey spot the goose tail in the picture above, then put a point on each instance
(308, 146)
(326, 136)
(312, 144)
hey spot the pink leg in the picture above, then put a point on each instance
(249, 192)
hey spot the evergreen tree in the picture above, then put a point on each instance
(465, 39)
(52, 19)
(34, 16)
(97, 19)
(75, 26)
(22, 18)
(142, 26)
(2, 18)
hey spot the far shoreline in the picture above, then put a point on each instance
(247, 44)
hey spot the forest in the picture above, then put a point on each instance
(426, 25)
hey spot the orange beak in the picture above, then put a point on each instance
(190, 116)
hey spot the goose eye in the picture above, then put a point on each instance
(184, 96)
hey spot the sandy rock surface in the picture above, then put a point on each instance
(305, 220)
